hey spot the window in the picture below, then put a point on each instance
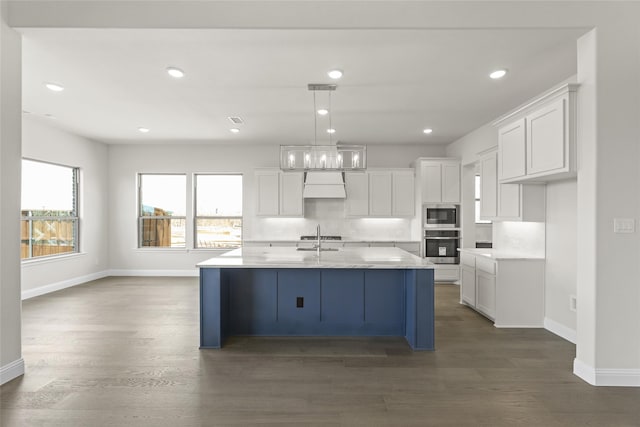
(218, 211)
(477, 192)
(49, 210)
(162, 213)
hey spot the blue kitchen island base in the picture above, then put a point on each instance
(316, 302)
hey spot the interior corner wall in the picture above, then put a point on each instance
(11, 364)
(44, 142)
(561, 258)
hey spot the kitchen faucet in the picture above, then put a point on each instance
(318, 245)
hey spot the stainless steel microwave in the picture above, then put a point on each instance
(441, 216)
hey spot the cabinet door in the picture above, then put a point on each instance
(468, 286)
(450, 183)
(431, 182)
(291, 187)
(380, 193)
(267, 190)
(357, 188)
(403, 194)
(486, 294)
(546, 141)
(489, 186)
(512, 147)
(509, 201)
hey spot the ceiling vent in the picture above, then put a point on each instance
(236, 120)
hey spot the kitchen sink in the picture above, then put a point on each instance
(315, 249)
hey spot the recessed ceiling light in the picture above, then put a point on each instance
(498, 74)
(331, 131)
(54, 87)
(234, 130)
(175, 72)
(335, 74)
(143, 130)
(323, 112)
(427, 130)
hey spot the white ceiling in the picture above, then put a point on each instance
(396, 82)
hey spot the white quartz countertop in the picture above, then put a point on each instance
(367, 258)
(293, 241)
(500, 254)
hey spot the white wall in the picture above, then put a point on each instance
(125, 162)
(46, 143)
(468, 147)
(11, 364)
(561, 257)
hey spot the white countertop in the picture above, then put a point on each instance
(293, 241)
(367, 258)
(500, 254)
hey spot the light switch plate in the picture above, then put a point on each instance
(624, 225)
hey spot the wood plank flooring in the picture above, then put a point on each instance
(124, 352)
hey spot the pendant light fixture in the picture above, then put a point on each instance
(328, 157)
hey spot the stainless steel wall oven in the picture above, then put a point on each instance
(441, 246)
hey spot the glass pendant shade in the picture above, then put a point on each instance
(323, 157)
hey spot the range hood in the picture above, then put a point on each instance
(324, 185)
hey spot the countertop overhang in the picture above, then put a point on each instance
(367, 258)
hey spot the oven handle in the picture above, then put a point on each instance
(442, 238)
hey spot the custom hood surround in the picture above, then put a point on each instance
(324, 185)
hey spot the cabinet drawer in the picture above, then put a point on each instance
(447, 273)
(468, 260)
(486, 265)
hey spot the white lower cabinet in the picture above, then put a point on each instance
(486, 294)
(509, 291)
(468, 279)
(446, 273)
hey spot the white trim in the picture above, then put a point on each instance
(606, 377)
(11, 370)
(30, 262)
(527, 326)
(63, 284)
(156, 273)
(561, 330)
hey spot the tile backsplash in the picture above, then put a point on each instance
(329, 213)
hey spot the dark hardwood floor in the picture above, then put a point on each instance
(124, 352)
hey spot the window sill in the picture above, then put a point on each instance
(56, 258)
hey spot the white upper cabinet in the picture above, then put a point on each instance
(291, 188)
(512, 143)
(489, 185)
(507, 202)
(357, 188)
(537, 142)
(403, 193)
(380, 193)
(546, 139)
(268, 192)
(279, 193)
(440, 181)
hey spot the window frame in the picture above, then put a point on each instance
(476, 198)
(74, 217)
(141, 218)
(196, 217)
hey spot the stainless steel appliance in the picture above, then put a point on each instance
(441, 246)
(445, 216)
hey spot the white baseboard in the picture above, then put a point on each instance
(606, 377)
(63, 284)
(515, 325)
(11, 370)
(560, 330)
(156, 273)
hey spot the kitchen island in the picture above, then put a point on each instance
(345, 292)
